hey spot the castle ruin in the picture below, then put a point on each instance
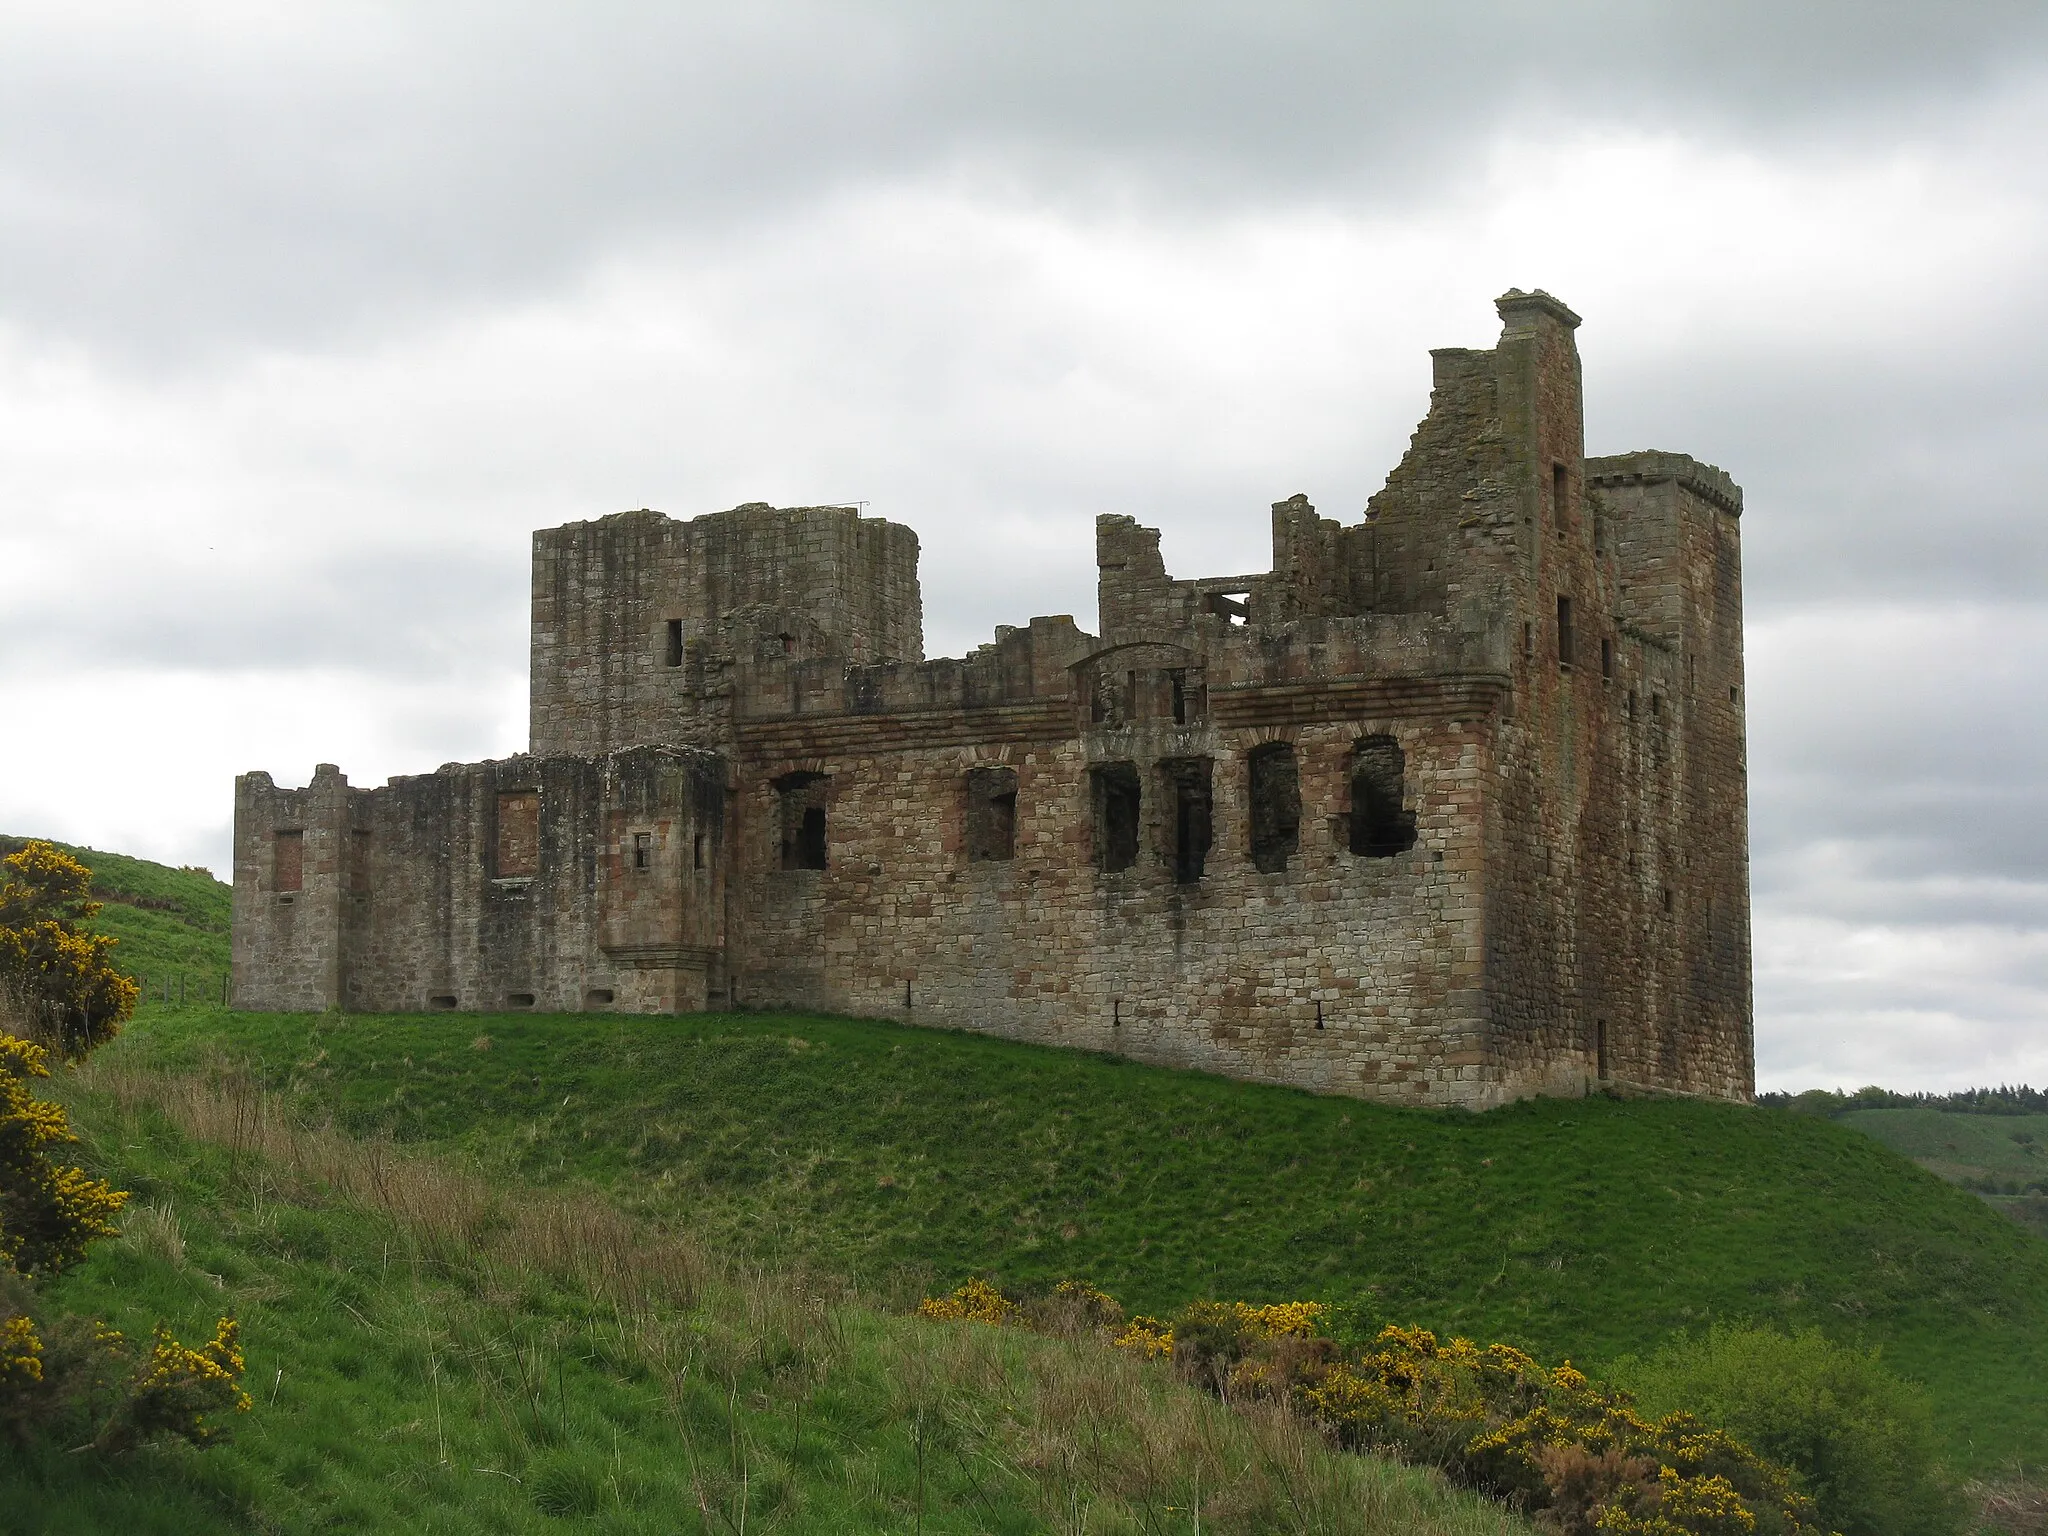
(1448, 807)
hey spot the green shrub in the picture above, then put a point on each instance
(1862, 1440)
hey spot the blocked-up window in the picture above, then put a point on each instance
(359, 846)
(1189, 782)
(801, 813)
(1381, 825)
(1564, 632)
(518, 846)
(991, 814)
(1276, 806)
(288, 861)
(1118, 801)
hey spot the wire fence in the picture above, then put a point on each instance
(180, 987)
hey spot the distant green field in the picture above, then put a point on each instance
(1589, 1228)
(172, 923)
(2003, 1158)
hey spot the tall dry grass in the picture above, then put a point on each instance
(1087, 1439)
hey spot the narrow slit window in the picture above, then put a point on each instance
(802, 815)
(1600, 1049)
(1177, 677)
(1558, 508)
(1606, 660)
(1189, 781)
(697, 852)
(1276, 806)
(288, 861)
(1118, 800)
(1564, 634)
(675, 642)
(991, 814)
(1381, 825)
(1528, 640)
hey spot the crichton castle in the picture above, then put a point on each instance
(1447, 807)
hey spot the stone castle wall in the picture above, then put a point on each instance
(1446, 807)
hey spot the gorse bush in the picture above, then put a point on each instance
(1578, 1456)
(64, 1375)
(1863, 1442)
(59, 979)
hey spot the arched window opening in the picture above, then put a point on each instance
(801, 811)
(1276, 806)
(1380, 825)
(1189, 783)
(991, 814)
(1117, 801)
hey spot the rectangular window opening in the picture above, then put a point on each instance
(1528, 640)
(1178, 678)
(1117, 803)
(1189, 780)
(517, 851)
(697, 852)
(1564, 634)
(643, 851)
(675, 642)
(1381, 826)
(1667, 901)
(1656, 703)
(802, 813)
(1234, 607)
(1276, 806)
(991, 814)
(288, 861)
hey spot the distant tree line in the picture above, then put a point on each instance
(2002, 1100)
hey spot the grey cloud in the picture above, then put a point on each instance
(166, 191)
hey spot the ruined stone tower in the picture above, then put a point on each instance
(1446, 807)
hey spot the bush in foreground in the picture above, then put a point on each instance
(1743, 1433)
(1863, 1441)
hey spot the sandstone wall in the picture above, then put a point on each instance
(1448, 806)
(556, 883)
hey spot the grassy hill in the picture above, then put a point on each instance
(170, 922)
(428, 1354)
(1589, 1228)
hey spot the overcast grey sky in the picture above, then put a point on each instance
(308, 314)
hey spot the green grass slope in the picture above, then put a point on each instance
(406, 1384)
(1589, 1228)
(170, 922)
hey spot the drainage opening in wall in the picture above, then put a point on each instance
(518, 999)
(598, 997)
(441, 1002)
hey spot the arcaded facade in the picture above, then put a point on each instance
(1447, 807)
